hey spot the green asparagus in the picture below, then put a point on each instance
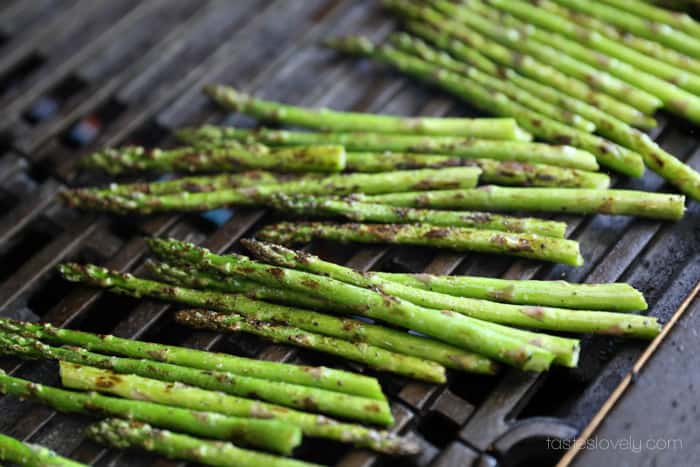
(518, 94)
(370, 355)
(206, 183)
(648, 55)
(267, 434)
(285, 394)
(493, 171)
(677, 20)
(532, 246)
(253, 316)
(316, 377)
(122, 434)
(547, 52)
(543, 71)
(366, 212)
(31, 455)
(176, 394)
(565, 350)
(221, 158)
(682, 102)
(329, 120)
(614, 297)
(464, 332)
(424, 179)
(538, 317)
(561, 156)
(347, 329)
(567, 200)
(639, 26)
(681, 175)
(608, 153)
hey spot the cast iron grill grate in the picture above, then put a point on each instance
(76, 75)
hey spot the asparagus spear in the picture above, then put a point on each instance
(267, 434)
(565, 350)
(229, 157)
(289, 395)
(569, 200)
(647, 55)
(639, 26)
(532, 246)
(367, 212)
(663, 163)
(347, 329)
(493, 171)
(677, 20)
(206, 183)
(607, 153)
(122, 434)
(134, 387)
(554, 319)
(253, 316)
(484, 338)
(31, 455)
(561, 156)
(330, 120)
(335, 184)
(543, 71)
(679, 101)
(520, 95)
(614, 297)
(315, 377)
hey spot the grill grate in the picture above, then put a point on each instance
(76, 75)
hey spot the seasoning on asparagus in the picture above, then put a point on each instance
(285, 394)
(493, 171)
(481, 337)
(558, 155)
(565, 350)
(122, 434)
(407, 180)
(676, 19)
(348, 329)
(673, 170)
(255, 316)
(359, 211)
(207, 183)
(542, 317)
(31, 455)
(267, 434)
(372, 356)
(616, 157)
(524, 245)
(613, 297)
(316, 377)
(568, 200)
(331, 120)
(176, 394)
(543, 71)
(220, 158)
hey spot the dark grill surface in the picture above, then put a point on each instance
(76, 75)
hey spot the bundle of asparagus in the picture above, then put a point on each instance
(562, 69)
(220, 389)
(286, 298)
